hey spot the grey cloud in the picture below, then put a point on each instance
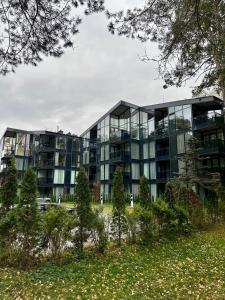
(75, 90)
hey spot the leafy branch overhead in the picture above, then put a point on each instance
(190, 35)
(31, 29)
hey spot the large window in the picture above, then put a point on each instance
(76, 144)
(153, 190)
(146, 170)
(19, 164)
(180, 117)
(60, 159)
(60, 142)
(75, 159)
(104, 172)
(20, 144)
(59, 176)
(135, 190)
(58, 192)
(135, 126)
(180, 143)
(145, 151)
(86, 157)
(151, 127)
(152, 149)
(105, 152)
(135, 171)
(103, 130)
(134, 151)
(73, 177)
(152, 170)
(144, 124)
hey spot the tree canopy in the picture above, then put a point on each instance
(31, 29)
(190, 35)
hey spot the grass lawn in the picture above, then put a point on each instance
(107, 207)
(188, 268)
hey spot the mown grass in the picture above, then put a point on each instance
(187, 268)
(107, 207)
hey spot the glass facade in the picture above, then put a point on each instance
(144, 141)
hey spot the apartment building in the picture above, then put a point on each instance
(151, 140)
(54, 156)
(143, 140)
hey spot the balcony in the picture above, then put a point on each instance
(93, 178)
(45, 164)
(93, 160)
(120, 156)
(93, 145)
(45, 182)
(126, 176)
(162, 154)
(8, 154)
(119, 136)
(161, 133)
(204, 121)
(46, 147)
(212, 147)
(163, 175)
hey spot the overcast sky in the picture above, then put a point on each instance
(72, 92)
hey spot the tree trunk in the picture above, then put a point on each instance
(119, 228)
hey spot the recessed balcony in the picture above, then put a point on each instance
(45, 164)
(204, 121)
(212, 147)
(45, 182)
(119, 136)
(120, 156)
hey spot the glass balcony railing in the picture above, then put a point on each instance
(119, 135)
(93, 160)
(215, 146)
(93, 145)
(120, 156)
(162, 152)
(47, 163)
(163, 175)
(8, 153)
(45, 181)
(126, 176)
(204, 121)
(161, 132)
(46, 147)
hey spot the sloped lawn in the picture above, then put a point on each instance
(188, 268)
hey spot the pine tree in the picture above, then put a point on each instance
(193, 174)
(190, 35)
(28, 217)
(83, 208)
(144, 193)
(119, 206)
(9, 188)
